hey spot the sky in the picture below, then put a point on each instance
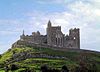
(33, 15)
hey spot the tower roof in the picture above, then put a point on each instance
(49, 23)
(23, 33)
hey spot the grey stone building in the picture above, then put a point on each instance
(54, 38)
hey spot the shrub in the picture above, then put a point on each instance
(14, 67)
(64, 69)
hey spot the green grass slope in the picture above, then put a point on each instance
(24, 58)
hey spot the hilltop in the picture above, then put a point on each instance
(54, 38)
(33, 58)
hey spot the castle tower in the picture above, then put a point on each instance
(54, 35)
(23, 33)
(49, 23)
(22, 36)
(49, 42)
(75, 36)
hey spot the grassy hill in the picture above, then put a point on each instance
(34, 58)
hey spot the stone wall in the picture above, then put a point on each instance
(20, 44)
(53, 39)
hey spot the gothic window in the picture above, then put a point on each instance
(56, 40)
(45, 42)
(69, 45)
(67, 38)
(74, 38)
(60, 41)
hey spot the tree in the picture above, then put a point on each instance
(44, 68)
(64, 69)
(14, 67)
(0, 56)
(82, 67)
(6, 68)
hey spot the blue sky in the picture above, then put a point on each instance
(33, 15)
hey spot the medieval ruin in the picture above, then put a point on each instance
(54, 38)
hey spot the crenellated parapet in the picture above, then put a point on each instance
(53, 38)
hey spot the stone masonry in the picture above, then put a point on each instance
(53, 38)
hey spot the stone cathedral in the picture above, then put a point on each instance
(53, 38)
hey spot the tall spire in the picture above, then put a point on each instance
(49, 23)
(23, 33)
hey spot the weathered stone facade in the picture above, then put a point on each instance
(53, 38)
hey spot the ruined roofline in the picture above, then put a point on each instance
(74, 29)
(49, 22)
(55, 37)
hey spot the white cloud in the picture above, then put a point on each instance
(8, 21)
(86, 16)
(4, 47)
(6, 32)
(67, 20)
(52, 1)
(86, 9)
(83, 15)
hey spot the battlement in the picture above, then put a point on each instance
(53, 38)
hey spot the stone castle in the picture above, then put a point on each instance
(53, 38)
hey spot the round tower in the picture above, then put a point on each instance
(49, 23)
(22, 36)
(49, 26)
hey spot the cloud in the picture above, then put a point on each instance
(85, 15)
(7, 21)
(59, 2)
(4, 47)
(88, 18)
(50, 1)
(6, 32)
(85, 8)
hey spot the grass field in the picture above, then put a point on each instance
(72, 59)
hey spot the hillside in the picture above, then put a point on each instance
(34, 58)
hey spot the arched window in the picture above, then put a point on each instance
(70, 45)
(74, 38)
(56, 40)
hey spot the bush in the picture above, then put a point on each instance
(0, 56)
(64, 69)
(6, 68)
(13, 67)
(44, 68)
